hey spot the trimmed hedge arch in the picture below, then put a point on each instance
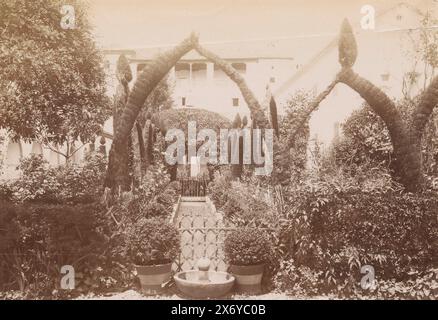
(117, 176)
(405, 136)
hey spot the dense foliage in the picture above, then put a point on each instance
(155, 197)
(366, 141)
(179, 118)
(336, 228)
(70, 183)
(243, 203)
(36, 240)
(290, 154)
(152, 241)
(247, 246)
(52, 79)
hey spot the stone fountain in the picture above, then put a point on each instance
(203, 283)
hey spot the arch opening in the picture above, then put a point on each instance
(152, 73)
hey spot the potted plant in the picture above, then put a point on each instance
(152, 245)
(247, 250)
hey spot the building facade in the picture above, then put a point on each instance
(388, 57)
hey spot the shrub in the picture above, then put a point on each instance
(337, 230)
(248, 246)
(155, 197)
(6, 191)
(82, 182)
(305, 281)
(298, 280)
(290, 159)
(366, 140)
(219, 188)
(70, 183)
(152, 241)
(37, 182)
(37, 239)
(243, 203)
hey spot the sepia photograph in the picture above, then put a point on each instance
(216, 156)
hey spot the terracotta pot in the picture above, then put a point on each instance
(248, 278)
(153, 277)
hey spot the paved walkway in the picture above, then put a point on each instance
(201, 235)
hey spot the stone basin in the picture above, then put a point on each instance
(204, 284)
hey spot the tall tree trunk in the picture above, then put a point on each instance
(147, 80)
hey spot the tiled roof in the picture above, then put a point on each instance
(246, 50)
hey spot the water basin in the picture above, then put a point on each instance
(204, 284)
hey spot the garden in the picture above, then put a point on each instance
(357, 222)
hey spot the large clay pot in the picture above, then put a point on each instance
(153, 277)
(248, 278)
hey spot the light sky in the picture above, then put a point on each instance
(137, 23)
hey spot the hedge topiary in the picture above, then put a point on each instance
(247, 246)
(337, 230)
(152, 241)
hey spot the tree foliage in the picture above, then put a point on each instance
(347, 46)
(52, 80)
(366, 140)
(290, 150)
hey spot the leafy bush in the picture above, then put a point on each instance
(37, 239)
(84, 182)
(37, 182)
(218, 188)
(366, 140)
(298, 280)
(152, 241)
(290, 159)
(155, 197)
(6, 191)
(423, 286)
(337, 230)
(248, 246)
(71, 183)
(305, 281)
(243, 203)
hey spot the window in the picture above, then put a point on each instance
(183, 101)
(140, 66)
(199, 70)
(182, 70)
(218, 73)
(235, 102)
